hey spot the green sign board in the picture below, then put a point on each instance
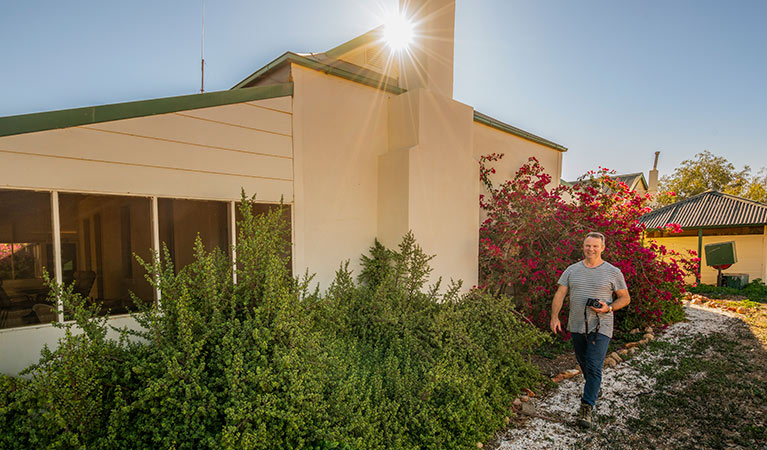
(720, 253)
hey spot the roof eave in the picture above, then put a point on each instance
(708, 227)
(497, 124)
(49, 120)
(290, 57)
(376, 34)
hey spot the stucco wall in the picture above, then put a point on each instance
(340, 129)
(208, 153)
(516, 152)
(430, 140)
(750, 250)
(20, 347)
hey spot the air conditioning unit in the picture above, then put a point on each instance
(735, 280)
(721, 254)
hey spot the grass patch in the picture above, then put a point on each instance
(709, 393)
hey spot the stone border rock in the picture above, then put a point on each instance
(615, 357)
(697, 299)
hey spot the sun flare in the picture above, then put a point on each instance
(398, 32)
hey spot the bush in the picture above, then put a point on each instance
(755, 290)
(531, 234)
(268, 363)
(432, 371)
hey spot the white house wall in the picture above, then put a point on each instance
(750, 250)
(340, 130)
(516, 152)
(210, 153)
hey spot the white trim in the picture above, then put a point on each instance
(155, 223)
(36, 326)
(298, 210)
(233, 238)
(56, 225)
(133, 194)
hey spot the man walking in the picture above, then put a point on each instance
(591, 327)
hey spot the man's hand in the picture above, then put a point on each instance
(556, 306)
(604, 309)
(556, 325)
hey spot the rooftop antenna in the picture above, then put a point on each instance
(202, 51)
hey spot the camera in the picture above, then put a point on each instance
(593, 302)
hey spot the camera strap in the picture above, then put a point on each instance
(586, 324)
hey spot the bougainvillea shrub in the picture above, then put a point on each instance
(533, 231)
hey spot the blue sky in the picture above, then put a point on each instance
(612, 80)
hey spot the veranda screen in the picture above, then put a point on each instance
(25, 251)
(99, 236)
(182, 220)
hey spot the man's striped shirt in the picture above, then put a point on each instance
(598, 282)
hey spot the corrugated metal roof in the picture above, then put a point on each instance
(631, 180)
(709, 209)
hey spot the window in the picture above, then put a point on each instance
(26, 250)
(99, 235)
(180, 222)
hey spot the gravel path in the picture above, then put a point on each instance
(554, 427)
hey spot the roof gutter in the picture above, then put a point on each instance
(497, 124)
(28, 123)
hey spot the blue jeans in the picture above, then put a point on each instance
(591, 356)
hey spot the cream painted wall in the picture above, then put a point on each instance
(340, 129)
(430, 140)
(208, 153)
(516, 152)
(750, 250)
(21, 347)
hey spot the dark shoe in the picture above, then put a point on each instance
(585, 416)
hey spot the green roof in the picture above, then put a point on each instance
(28, 123)
(710, 209)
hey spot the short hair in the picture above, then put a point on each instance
(595, 234)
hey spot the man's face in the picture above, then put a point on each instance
(593, 248)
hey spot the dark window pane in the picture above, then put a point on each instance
(181, 221)
(25, 251)
(99, 235)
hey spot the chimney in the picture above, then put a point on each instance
(429, 63)
(653, 181)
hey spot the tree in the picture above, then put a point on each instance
(533, 231)
(757, 188)
(708, 171)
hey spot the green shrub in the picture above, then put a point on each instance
(754, 291)
(432, 370)
(382, 362)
